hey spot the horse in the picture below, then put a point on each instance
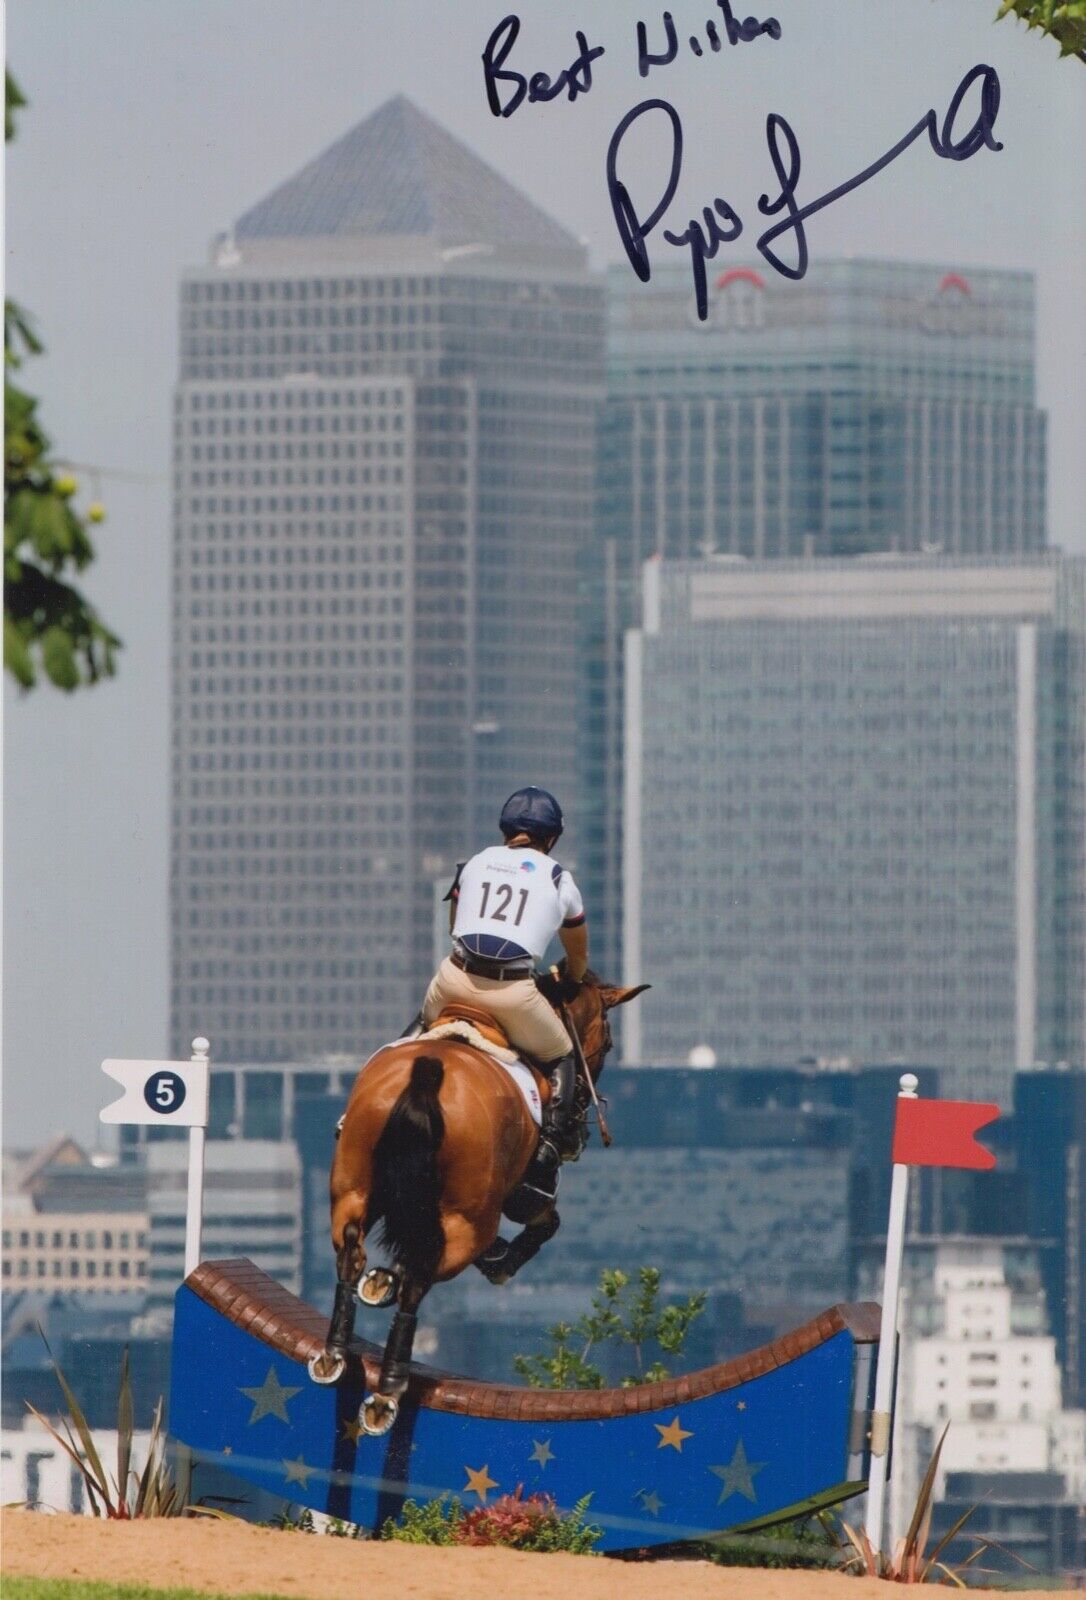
(432, 1147)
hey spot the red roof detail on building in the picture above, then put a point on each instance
(741, 274)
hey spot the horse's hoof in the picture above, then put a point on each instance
(494, 1263)
(379, 1287)
(379, 1412)
(326, 1368)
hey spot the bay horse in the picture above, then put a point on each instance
(435, 1140)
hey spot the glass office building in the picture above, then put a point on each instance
(1050, 1139)
(855, 818)
(874, 406)
(384, 474)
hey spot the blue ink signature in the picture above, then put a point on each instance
(744, 32)
(721, 224)
(576, 79)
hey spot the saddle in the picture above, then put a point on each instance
(461, 1021)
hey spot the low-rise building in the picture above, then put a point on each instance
(978, 1362)
(73, 1223)
(36, 1472)
(83, 1252)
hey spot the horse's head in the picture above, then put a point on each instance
(588, 1013)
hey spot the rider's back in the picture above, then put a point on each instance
(511, 902)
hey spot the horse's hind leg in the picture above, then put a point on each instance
(328, 1366)
(379, 1410)
(505, 1257)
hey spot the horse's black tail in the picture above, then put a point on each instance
(405, 1190)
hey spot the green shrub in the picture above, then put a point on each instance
(809, 1542)
(516, 1521)
(433, 1522)
(623, 1318)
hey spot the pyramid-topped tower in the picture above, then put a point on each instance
(384, 462)
(397, 172)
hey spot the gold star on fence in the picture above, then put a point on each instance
(542, 1452)
(352, 1429)
(651, 1502)
(298, 1472)
(270, 1400)
(738, 1475)
(479, 1482)
(672, 1435)
(741, 1406)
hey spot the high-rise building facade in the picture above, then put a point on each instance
(855, 816)
(252, 1207)
(1050, 1141)
(874, 406)
(384, 476)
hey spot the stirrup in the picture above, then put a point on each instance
(538, 1188)
(572, 1143)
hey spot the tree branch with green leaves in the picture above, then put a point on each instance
(49, 625)
(1062, 20)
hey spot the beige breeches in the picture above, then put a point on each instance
(518, 1008)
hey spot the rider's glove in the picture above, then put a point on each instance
(559, 986)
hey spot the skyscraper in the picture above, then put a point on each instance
(384, 464)
(1050, 1136)
(855, 815)
(874, 406)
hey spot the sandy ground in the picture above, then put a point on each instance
(235, 1559)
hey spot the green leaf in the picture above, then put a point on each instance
(18, 326)
(14, 100)
(75, 1411)
(125, 1425)
(58, 659)
(46, 620)
(16, 656)
(50, 523)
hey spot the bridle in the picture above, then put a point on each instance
(584, 1025)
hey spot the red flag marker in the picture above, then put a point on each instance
(941, 1133)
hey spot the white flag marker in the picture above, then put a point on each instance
(178, 1092)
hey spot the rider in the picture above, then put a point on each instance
(507, 905)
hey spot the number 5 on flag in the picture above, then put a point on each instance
(941, 1133)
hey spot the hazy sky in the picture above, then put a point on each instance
(153, 124)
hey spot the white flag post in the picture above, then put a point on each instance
(886, 1366)
(194, 1202)
(178, 1092)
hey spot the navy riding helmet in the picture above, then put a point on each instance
(532, 811)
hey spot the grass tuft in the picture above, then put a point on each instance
(83, 1589)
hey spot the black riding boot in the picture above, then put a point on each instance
(556, 1136)
(559, 1114)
